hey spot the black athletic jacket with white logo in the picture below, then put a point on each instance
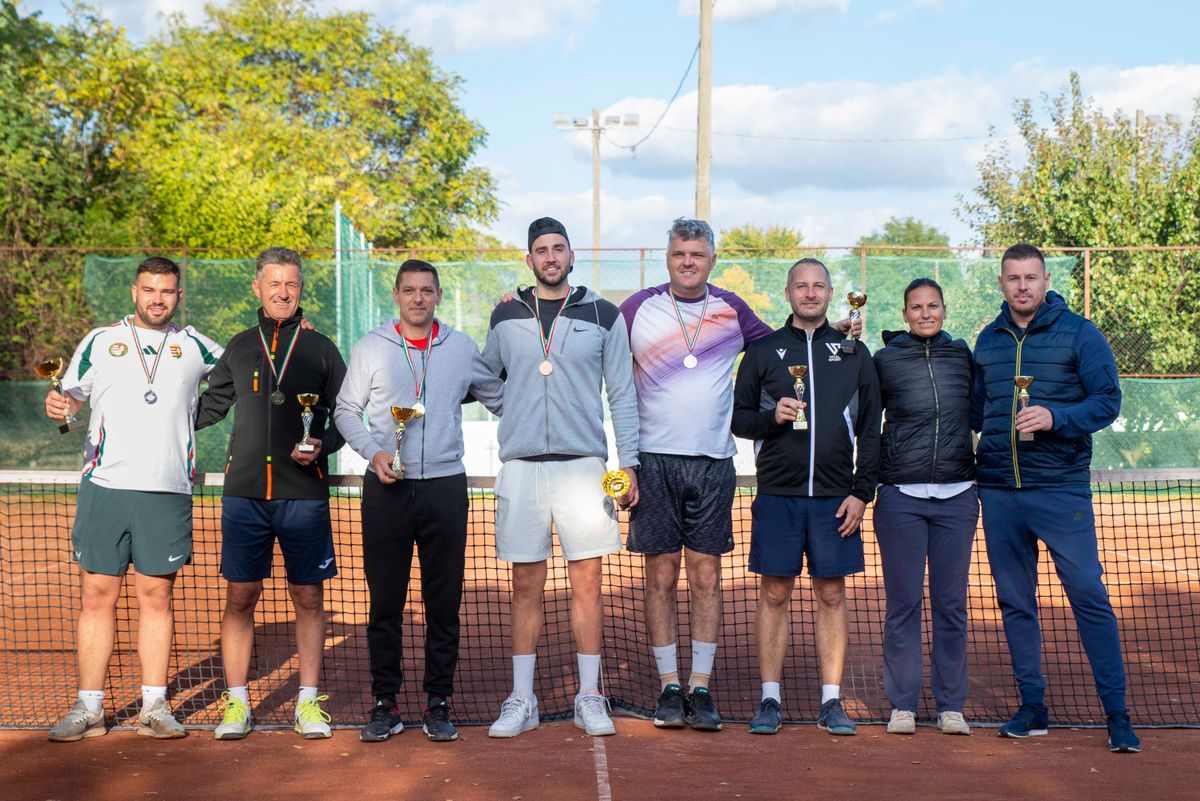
(838, 455)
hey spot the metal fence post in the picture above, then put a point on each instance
(1087, 283)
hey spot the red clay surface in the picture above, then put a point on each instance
(558, 763)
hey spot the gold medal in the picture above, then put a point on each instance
(546, 368)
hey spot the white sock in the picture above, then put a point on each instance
(523, 674)
(93, 700)
(668, 667)
(703, 656)
(240, 693)
(150, 695)
(589, 672)
(306, 694)
(770, 689)
(830, 692)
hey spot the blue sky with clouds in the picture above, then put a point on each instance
(810, 98)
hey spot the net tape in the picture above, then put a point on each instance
(1146, 524)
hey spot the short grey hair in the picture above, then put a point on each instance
(278, 255)
(686, 229)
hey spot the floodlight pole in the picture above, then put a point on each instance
(704, 116)
(596, 131)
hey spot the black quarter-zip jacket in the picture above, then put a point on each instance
(259, 460)
(838, 455)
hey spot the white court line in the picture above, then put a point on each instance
(603, 790)
(1192, 574)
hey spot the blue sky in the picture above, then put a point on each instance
(785, 72)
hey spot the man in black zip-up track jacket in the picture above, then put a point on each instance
(273, 489)
(813, 484)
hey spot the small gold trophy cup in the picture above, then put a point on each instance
(856, 300)
(307, 400)
(402, 415)
(615, 484)
(1022, 382)
(50, 370)
(798, 372)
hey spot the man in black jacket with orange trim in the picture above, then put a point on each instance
(813, 483)
(276, 486)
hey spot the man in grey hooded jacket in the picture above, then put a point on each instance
(554, 345)
(415, 362)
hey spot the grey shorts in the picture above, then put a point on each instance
(114, 527)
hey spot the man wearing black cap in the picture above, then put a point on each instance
(553, 345)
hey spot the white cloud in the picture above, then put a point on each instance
(776, 148)
(488, 24)
(742, 10)
(884, 17)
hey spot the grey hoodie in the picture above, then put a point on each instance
(563, 413)
(378, 378)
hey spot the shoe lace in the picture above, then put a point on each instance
(514, 706)
(592, 705)
(702, 702)
(768, 703)
(160, 713)
(235, 709)
(380, 712)
(439, 713)
(77, 715)
(309, 710)
(1120, 724)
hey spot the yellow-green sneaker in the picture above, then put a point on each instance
(312, 722)
(236, 723)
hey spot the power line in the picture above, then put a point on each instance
(841, 140)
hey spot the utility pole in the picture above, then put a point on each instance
(704, 116)
(597, 128)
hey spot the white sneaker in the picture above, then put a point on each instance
(952, 723)
(312, 722)
(591, 714)
(902, 722)
(517, 715)
(235, 723)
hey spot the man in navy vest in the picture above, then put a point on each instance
(1039, 488)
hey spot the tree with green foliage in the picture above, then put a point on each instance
(772, 241)
(907, 231)
(1092, 180)
(267, 111)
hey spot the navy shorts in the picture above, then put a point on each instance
(788, 530)
(683, 501)
(250, 526)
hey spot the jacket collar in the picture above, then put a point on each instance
(907, 339)
(799, 333)
(1050, 310)
(268, 323)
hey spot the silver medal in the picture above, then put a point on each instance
(690, 361)
(150, 397)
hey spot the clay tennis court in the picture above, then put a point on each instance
(1146, 530)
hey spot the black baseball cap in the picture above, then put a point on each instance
(546, 225)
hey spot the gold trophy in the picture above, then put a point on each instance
(798, 372)
(856, 300)
(402, 415)
(1023, 382)
(307, 399)
(50, 369)
(616, 483)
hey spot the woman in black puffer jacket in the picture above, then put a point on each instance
(927, 507)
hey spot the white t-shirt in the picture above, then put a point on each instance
(132, 444)
(686, 411)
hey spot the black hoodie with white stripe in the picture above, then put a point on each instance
(838, 455)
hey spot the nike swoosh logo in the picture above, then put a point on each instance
(325, 564)
(174, 558)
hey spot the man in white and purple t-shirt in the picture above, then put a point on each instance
(685, 336)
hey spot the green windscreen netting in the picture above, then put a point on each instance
(1158, 427)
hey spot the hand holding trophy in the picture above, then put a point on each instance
(856, 300)
(616, 484)
(798, 372)
(307, 400)
(50, 369)
(1022, 382)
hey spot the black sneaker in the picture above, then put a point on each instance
(1031, 720)
(833, 719)
(768, 718)
(671, 711)
(385, 721)
(436, 722)
(1121, 738)
(701, 713)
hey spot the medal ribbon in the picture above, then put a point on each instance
(547, 339)
(425, 356)
(689, 341)
(280, 372)
(151, 371)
